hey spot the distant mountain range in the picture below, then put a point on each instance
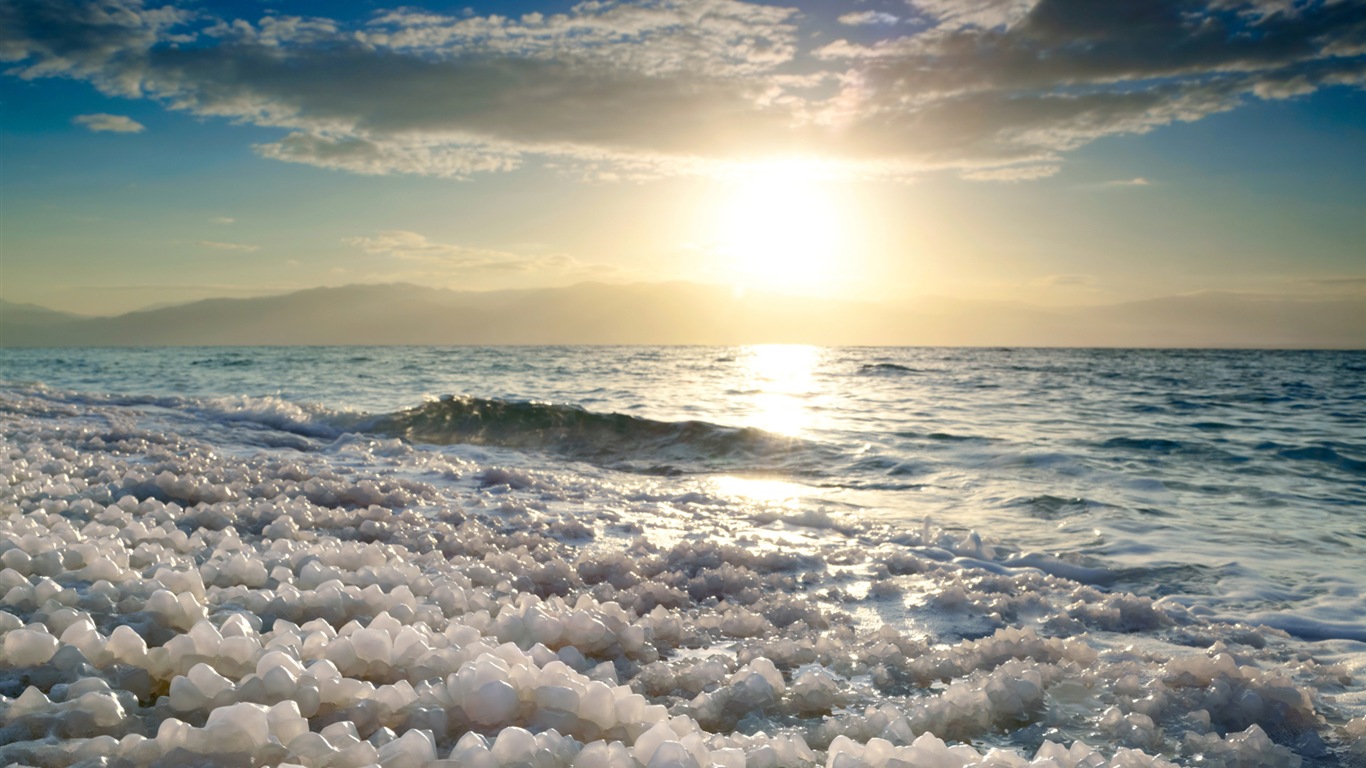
(688, 313)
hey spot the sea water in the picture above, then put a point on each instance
(846, 547)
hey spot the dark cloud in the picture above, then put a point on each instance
(998, 89)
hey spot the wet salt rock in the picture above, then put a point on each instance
(648, 742)
(597, 705)
(59, 620)
(237, 625)
(372, 645)
(586, 632)
(844, 752)
(728, 757)
(28, 647)
(413, 749)
(18, 560)
(101, 569)
(285, 721)
(557, 698)
(238, 728)
(1355, 733)
(82, 635)
(314, 748)
(172, 734)
(102, 706)
(30, 701)
(46, 589)
(9, 622)
(126, 645)
(342, 731)
(205, 637)
(279, 661)
(137, 749)
(814, 690)
(362, 753)
(672, 754)
(70, 661)
(755, 685)
(199, 688)
(602, 754)
(493, 703)
(514, 745)
(470, 749)
(382, 736)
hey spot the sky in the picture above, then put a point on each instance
(1049, 152)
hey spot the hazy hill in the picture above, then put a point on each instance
(686, 313)
(32, 314)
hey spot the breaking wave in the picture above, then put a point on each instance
(613, 439)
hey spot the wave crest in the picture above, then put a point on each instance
(614, 439)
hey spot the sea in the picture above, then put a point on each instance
(1213, 501)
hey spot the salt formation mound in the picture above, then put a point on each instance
(166, 600)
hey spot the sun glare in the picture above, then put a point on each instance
(781, 226)
(780, 376)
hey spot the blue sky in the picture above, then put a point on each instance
(1045, 151)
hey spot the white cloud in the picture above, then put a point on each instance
(624, 89)
(217, 246)
(223, 220)
(411, 246)
(1088, 282)
(868, 18)
(1012, 173)
(102, 122)
(985, 14)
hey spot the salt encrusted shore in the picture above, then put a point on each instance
(165, 600)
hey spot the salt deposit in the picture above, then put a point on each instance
(166, 599)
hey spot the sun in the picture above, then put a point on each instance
(781, 225)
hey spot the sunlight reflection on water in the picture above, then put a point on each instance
(773, 492)
(781, 378)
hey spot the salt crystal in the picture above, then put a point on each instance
(493, 703)
(372, 645)
(648, 742)
(238, 727)
(414, 749)
(28, 647)
(513, 745)
(671, 754)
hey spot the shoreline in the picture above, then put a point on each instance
(507, 611)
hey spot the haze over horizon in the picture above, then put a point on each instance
(680, 313)
(1058, 154)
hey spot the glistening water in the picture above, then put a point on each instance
(1169, 505)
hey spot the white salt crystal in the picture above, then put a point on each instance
(513, 745)
(286, 722)
(372, 645)
(728, 757)
(312, 747)
(414, 749)
(493, 703)
(28, 647)
(103, 706)
(341, 732)
(557, 698)
(238, 727)
(31, 700)
(207, 681)
(597, 705)
(649, 741)
(672, 754)
(280, 660)
(171, 734)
